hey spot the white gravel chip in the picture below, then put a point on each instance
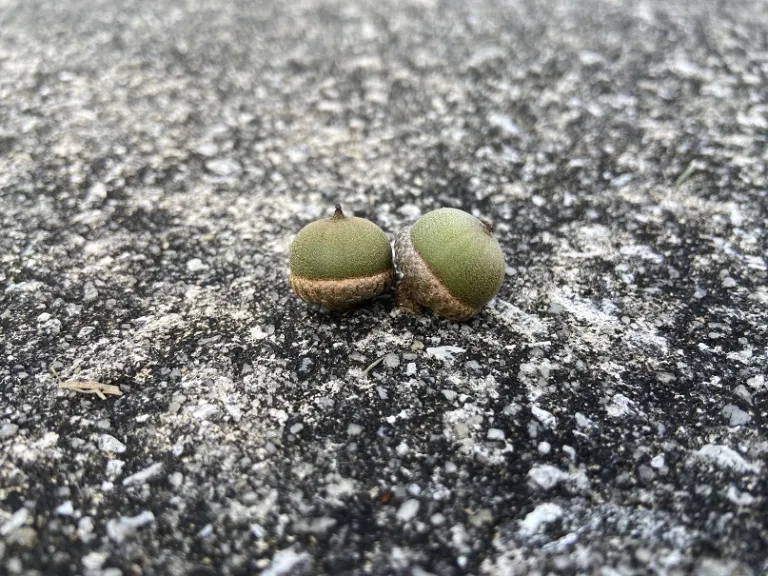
(739, 498)
(109, 443)
(207, 149)
(16, 521)
(539, 518)
(408, 510)
(144, 475)
(658, 461)
(257, 333)
(314, 525)
(756, 382)
(450, 395)
(176, 479)
(725, 457)
(503, 122)
(65, 509)
(205, 411)
(582, 421)
(391, 360)
(545, 476)
(7, 430)
(445, 353)
(196, 265)
(90, 292)
(410, 210)
(94, 560)
(546, 418)
(619, 406)
(286, 562)
(224, 167)
(114, 467)
(124, 527)
(735, 415)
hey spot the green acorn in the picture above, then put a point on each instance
(341, 261)
(450, 263)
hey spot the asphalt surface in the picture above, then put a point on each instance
(605, 414)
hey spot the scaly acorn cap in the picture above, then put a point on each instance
(450, 262)
(340, 261)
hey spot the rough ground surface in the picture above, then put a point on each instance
(608, 411)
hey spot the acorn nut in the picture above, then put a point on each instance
(450, 263)
(341, 261)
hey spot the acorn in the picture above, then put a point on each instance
(450, 263)
(341, 261)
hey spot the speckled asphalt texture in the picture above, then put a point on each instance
(607, 413)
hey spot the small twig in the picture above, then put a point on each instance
(373, 365)
(539, 343)
(685, 176)
(91, 387)
(88, 387)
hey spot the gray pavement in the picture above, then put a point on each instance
(605, 414)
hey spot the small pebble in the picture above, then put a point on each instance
(224, 167)
(391, 360)
(176, 479)
(65, 509)
(109, 443)
(124, 527)
(114, 467)
(94, 560)
(7, 430)
(408, 510)
(196, 265)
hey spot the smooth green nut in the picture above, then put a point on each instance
(340, 261)
(450, 262)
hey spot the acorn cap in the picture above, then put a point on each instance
(340, 261)
(451, 263)
(340, 247)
